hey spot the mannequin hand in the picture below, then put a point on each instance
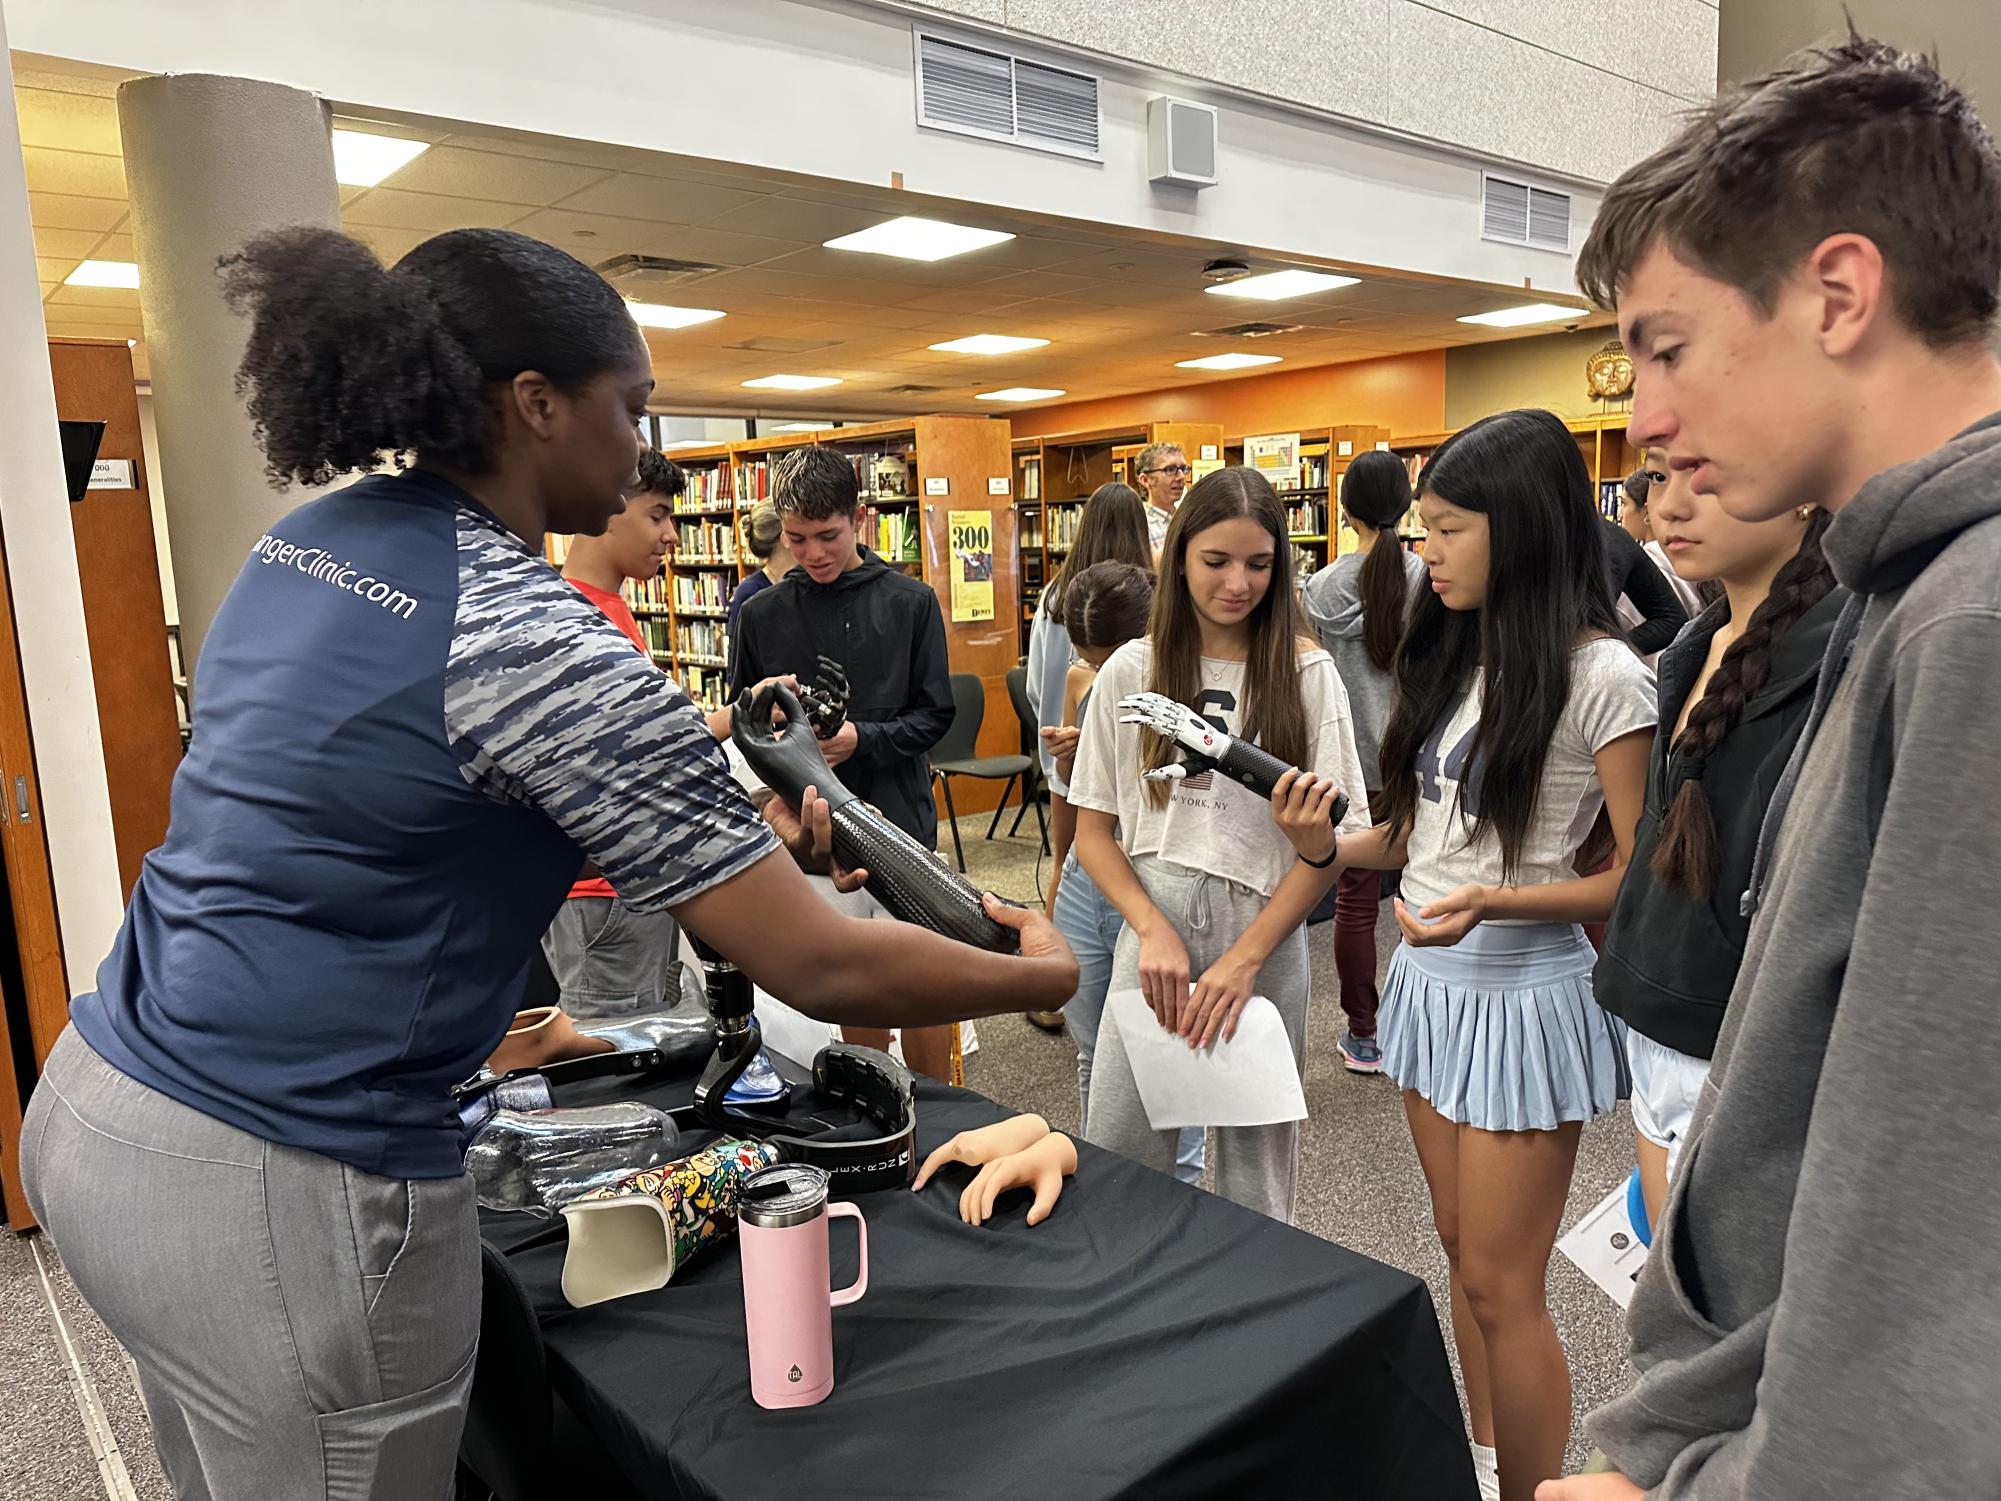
(1445, 921)
(1061, 740)
(1163, 974)
(988, 1144)
(839, 746)
(811, 841)
(1219, 999)
(1302, 805)
(1042, 1167)
(1610, 1486)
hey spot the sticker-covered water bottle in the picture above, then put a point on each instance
(787, 1307)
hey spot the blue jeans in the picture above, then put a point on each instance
(1092, 926)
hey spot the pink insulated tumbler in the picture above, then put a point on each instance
(787, 1310)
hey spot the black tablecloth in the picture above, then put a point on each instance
(1147, 1340)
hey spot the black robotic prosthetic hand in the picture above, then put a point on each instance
(825, 699)
(904, 876)
(1205, 746)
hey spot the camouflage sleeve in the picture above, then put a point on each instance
(548, 705)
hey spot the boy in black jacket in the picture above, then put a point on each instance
(886, 631)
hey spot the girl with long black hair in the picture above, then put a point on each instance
(409, 734)
(1520, 713)
(1359, 605)
(1735, 691)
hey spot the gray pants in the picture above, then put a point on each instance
(611, 961)
(1256, 1166)
(304, 1331)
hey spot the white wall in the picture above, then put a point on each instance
(1582, 87)
(820, 88)
(156, 492)
(75, 804)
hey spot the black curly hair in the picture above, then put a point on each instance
(660, 475)
(349, 362)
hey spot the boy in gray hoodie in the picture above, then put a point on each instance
(1807, 281)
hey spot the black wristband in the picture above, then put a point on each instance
(1332, 855)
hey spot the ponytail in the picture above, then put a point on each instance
(1687, 859)
(348, 364)
(1376, 491)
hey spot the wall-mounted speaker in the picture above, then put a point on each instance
(1181, 142)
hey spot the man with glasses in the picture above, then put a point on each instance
(1163, 478)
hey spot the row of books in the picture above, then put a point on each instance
(1031, 479)
(1062, 526)
(646, 593)
(708, 542)
(1609, 494)
(706, 487)
(701, 640)
(703, 591)
(655, 629)
(1306, 518)
(1312, 471)
(707, 686)
(896, 534)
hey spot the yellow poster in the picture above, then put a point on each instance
(972, 535)
(1201, 469)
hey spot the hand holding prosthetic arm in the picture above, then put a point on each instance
(1208, 747)
(904, 876)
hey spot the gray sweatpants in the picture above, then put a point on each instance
(1256, 1166)
(304, 1331)
(610, 961)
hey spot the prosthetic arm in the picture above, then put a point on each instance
(904, 876)
(1206, 747)
(825, 699)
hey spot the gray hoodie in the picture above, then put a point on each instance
(1821, 1315)
(1333, 598)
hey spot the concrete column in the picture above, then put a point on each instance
(212, 162)
(72, 802)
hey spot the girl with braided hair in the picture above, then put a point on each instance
(1735, 690)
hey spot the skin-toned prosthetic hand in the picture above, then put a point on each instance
(1204, 746)
(904, 876)
(978, 1148)
(1042, 1167)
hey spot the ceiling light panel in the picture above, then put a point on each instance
(1234, 361)
(104, 274)
(988, 344)
(1273, 285)
(1021, 393)
(665, 315)
(362, 160)
(1515, 317)
(792, 382)
(916, 239)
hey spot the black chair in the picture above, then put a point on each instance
(1034, 786)
(957, 756)
(522, 1442)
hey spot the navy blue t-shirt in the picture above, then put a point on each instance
(409, 732)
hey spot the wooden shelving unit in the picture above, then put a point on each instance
(1312, 503)
(1055, 475)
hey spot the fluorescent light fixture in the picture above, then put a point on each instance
(104, 274)
(690, 443)
(988, 344)
(362, 160)
(1515, 317)
(798, 427)
(1226, 362)
(664, 315)
(792, 382)
(1273, 285)
(1021, 393)
(919, 239)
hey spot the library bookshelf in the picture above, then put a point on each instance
(1609, 456)
(1311, 491)
(1055, 475)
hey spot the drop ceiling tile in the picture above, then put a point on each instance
(1043, 284)
(661, 200)
(394, 208)
(81, 174)
(104, 299)
(115, 247)
(68, 122)
(487, 176)
(972, 301)
(54, 268)
(76, 243)
(789, 218)
(1182, 268)
(389, 245)
(1025, 253)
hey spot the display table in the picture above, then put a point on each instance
(1148, 1340)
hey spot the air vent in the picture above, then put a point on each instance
(1516, 214)
(635, 275)
(914, 390)
(1247, 331)
(979, 91)
(774, 344)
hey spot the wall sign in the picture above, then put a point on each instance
(997, 485)
(1209, 451)
(111, 474)
(972, 536)
(937, 484)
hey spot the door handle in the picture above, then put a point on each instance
(21, 799)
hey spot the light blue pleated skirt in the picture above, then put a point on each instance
(1500, 1031)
